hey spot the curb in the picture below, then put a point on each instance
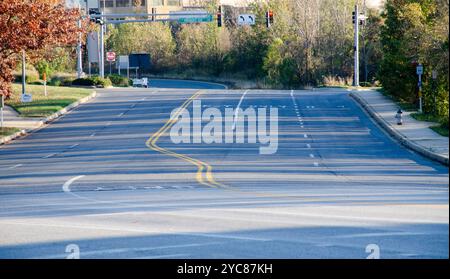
(397, 135)
(48, 119)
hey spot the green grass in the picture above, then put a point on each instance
(404, 105)
(425, 117)
(6, 131)
(441, 130)
(41, 106)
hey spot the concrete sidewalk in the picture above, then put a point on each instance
(414, 134)
(12, 119)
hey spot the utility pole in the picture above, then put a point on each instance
(23, 72)
(79, 54)
(356, 46)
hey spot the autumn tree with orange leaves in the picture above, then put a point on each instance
(32, 25)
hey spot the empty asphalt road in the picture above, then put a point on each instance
(108, 180)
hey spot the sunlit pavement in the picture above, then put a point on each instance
(336, 185)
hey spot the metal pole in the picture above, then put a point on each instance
(102, 52)
(110, 67)
(79, 54)
(356, 47)
(1, 110)
(420, 94)
(23, 72)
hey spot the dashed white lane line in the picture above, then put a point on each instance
(308, 145)
(120, 115)
(305, 135)
(311, 155)
(15, 166)
(49, 155)
(316, 164)
(133, 105)
(93, 134)
(236, 114)
(74, 145)
(66, 186)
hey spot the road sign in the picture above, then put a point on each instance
(246, 19)
(111, 56)
(26, 98)
(419, 69)
(434, 74)
(124, 62)
(207, 18)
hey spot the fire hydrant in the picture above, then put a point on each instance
(399, 117)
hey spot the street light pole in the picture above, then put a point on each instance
(79, 54)
(23, 72)
(356, 47)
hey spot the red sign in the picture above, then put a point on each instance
(111, 56)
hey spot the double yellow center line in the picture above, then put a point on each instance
(204, 170)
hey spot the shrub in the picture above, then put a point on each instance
(61, 81)
(93, 81)
(31, 75)
(118, 80)
(83, 82)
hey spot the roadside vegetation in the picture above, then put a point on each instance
(41, 106)
(6, 131)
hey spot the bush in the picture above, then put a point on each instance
(118, 80)
(31, 75)
(83, 82)
(61, 81)
(92, 81)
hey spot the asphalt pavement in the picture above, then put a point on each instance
(108, 178)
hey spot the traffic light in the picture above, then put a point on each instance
(353, 17)
(269, 18)
(96, 19)
(219, 17)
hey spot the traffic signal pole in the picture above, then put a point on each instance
(356, 46)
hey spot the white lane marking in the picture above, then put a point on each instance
(305, 135)
(49, 155)
(120, 115)
(302, 126)
(66, 186)
(308, 145)
(15, 166)
(311, 155)
(316, 164)
(109, 123)
(143, 99)
(93, 134)
(132, 187)
(133, 105)
(74, 145)
(236, 114)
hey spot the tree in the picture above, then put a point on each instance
(32, 26)
(153, 38)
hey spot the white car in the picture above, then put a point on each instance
(140, 82)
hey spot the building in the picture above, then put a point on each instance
(135, 6)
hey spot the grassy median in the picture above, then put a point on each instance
(57, 98)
